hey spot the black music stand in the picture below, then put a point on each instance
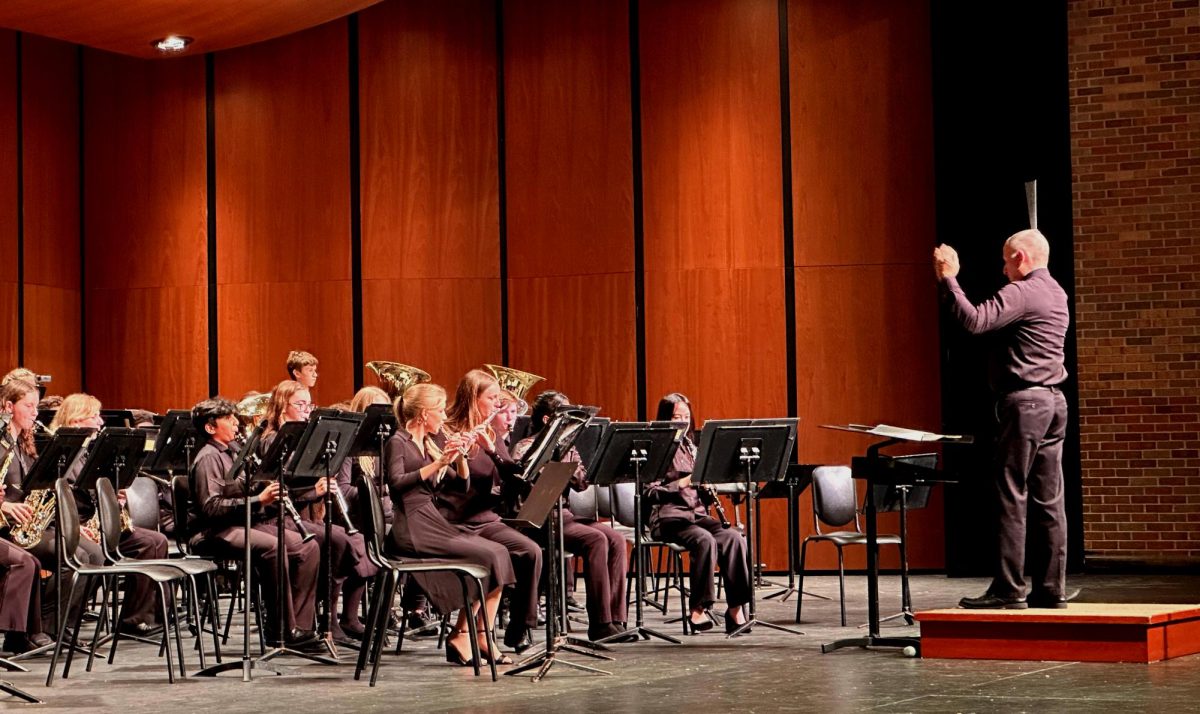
(117, 417)
(902, 498)
(543, 506)
(640, 452)
(246, 461)
(276, 466)
(876, 468)
(793, 485)
(117, 451)
(53, 462)
(748, 451)
(174, 445)
(326, 442)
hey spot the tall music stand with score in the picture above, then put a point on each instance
(746, 451)
(58, 458)
(880, 469)
(640, 452)
(326, 442)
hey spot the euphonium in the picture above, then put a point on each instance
(514, 380)
(250, 409)
(395, 377)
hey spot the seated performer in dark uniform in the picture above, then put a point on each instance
(139, 608)
(471, 501)
(19, 399)
(291, 401)
(218, 522)
(416, 465)
(1031, 316)
(605, 558)
(679, 516)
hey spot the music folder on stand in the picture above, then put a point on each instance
(174, 446)
(746, 451)
(883, 470)
(640, 452)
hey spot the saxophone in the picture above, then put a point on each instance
(91, 529)
(29, 533)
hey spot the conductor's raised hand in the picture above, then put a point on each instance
(945, 262)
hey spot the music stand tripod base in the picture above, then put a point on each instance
(873, 641)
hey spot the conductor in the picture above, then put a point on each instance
(1029, 319)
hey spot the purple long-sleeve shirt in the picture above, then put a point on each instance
(1031, 318)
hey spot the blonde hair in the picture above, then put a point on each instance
(416, 399)
(367, 396)
(22, 373)
(75, 407)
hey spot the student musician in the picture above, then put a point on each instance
(679, 516)
(302, 368)
(471, 501)
(605, 560)
(416, 465)
(18, 399)
(291, 401)
(217, 509)
(139, 610)
(20, 586)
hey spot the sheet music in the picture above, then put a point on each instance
(897, 432)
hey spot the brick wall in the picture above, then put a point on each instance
(1135, 128)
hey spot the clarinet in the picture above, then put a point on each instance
(712, 500)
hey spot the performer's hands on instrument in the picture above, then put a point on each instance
(270, 494)
(122, 498)
(16, 512)
(945, 262)
(322, 486)
(685, 481)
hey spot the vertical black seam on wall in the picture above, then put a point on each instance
(356, 289)
(210, 160)
(639, 259)
(503, 186)
(789, 250)
(20, 207)
(82, 233)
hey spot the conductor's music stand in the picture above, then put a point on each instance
(326, 442)
(639, 452)
(902, 498)
(748, 451)
(876, 468)
(55, 461)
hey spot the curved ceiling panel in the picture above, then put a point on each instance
(131, 26)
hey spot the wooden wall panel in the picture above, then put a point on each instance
(145, 214)
(713, 206)
(50, 102)
(8, 200)
(430, 186)
(569, 173)
(283, 210)
(862, 132)
(862, 178)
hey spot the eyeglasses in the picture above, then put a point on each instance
(304, 406)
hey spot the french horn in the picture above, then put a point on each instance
(395, 377)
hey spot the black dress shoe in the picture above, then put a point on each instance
(988, 601)
(40, 639)
(297, 638)
(518, 639)
(1051, 602)
(353, 629)
(141, 629)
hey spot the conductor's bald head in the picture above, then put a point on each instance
(1024, 252)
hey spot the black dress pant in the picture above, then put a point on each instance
(1029, 489)
(527, 566)
(710, 545)
(605, 563)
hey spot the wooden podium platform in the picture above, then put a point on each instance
(1083, 632)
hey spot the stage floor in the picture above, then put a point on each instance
(764, 672)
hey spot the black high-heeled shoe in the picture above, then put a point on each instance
(453, 656)
(704, 625)
(732, 627)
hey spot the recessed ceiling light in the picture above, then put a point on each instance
(172, 44)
